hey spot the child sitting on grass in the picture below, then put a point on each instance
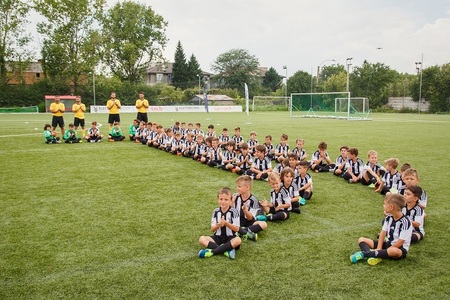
(115, 135)
(249, 209)
(277, 208)
(395, 236)
(304, 182)
(49, 135)
(70, 136)
(225, 224)
(320, 160)
(414, 212)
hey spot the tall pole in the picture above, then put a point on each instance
(285, 86)
(349, 63)
(93, 84)
(419, 68)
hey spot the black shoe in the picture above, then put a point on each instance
(296, 210)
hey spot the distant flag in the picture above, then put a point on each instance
(205, 98)
(246, 99)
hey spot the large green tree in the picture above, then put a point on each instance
(180, 68)
(13, 39)
(300, 82)
(133, 36)
(70, 47)
(372, 81)
(435, 87)
(236, 67)
(194, 71)
(272, 80)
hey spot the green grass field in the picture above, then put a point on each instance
(120, 220)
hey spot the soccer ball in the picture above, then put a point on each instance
(54, 133)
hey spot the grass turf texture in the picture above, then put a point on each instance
(120, 220)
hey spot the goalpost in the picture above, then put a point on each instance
(270, 103)
(337, 105)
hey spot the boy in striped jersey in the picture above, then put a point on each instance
(304, 182)
(229, 158)
(270, 150)
(224, 138)
(414, 212)
(252, 142)
(262, 165)
(214, 155)
(277, 208)
(354, 166)
(93, 135)
(394, 238)
(372, 170)
(243, 160)
(249, 209)
(225, 223)
(299, 151)
(320, 160)
(287, 179)
(237, 138)
(282, 149)
(391, 177)
(341, 160)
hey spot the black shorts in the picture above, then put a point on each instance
(220, 240)
(387, 245)
(112, 118)
(58, 121)
(78, 122)
(142, 117)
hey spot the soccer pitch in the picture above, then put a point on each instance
(121, 220)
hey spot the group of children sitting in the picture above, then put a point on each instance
(241, 216)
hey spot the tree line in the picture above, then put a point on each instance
(81, 38)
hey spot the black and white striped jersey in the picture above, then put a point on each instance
(262, 164)
(228, 157)
(302, 181)
(231, 216)
(281, 197)
(284, 150)
(415, 214)
(252, 204)
(398, 230)
(241, 157)
(356, 166)
(392, 180)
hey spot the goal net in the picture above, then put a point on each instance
(329, 105)
(261, 103)
(19, 110)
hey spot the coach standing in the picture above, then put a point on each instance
(57, 108)
(142, 106)
(113, 105)
(79, 109)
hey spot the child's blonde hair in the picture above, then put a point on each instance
(411, 172)
(273, 177)
(393, 162)
(225, 190)
(244, 180)
(372, 152)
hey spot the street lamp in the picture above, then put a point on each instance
(199, 87)
(285, 86)
(318, 68)
(348, 63)
(419, 72)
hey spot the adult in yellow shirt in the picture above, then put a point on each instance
(142, 105)
(79, 109)
(113, 105)
(57, 108)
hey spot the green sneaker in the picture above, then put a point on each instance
(302, 201)
(372, 261)
(205, 253)
(261, 218)
(371, 185)
(251, 235)
(231, 254)
(356, 256)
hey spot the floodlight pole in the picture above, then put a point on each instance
(285, 86)
(320, 65)
(419, 72)
(93, 84)
(349, 63)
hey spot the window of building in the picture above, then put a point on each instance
(159, 78)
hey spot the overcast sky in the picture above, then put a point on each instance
(301, 34)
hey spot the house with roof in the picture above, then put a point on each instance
(161, 73)
(219, 100)
(31, 74)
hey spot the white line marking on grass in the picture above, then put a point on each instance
(23, 134)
